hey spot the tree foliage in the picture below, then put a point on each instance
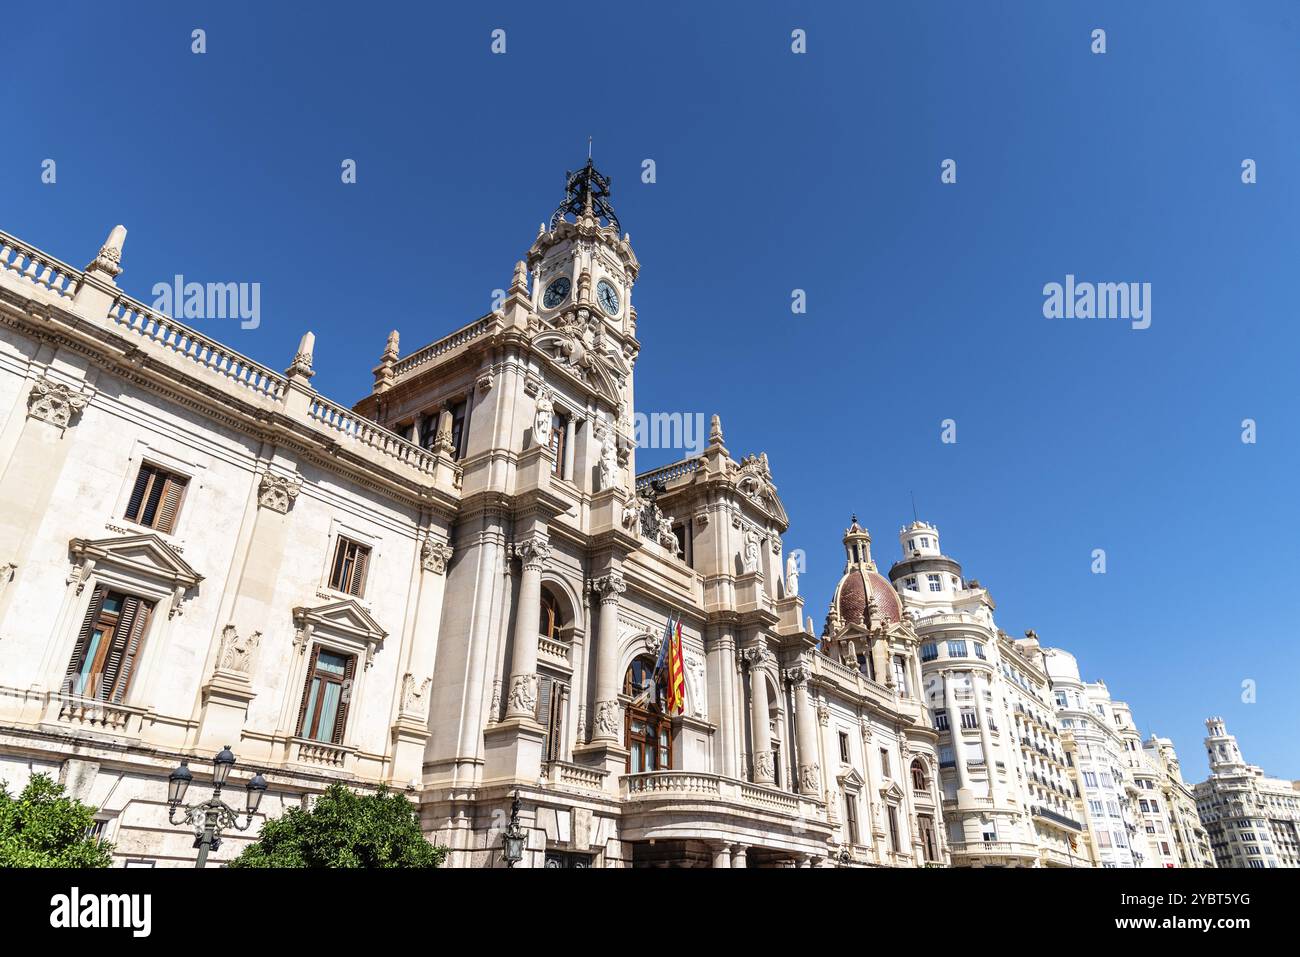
(345, 829)
(42, 827)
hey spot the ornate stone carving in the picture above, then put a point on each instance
(54, 402)
(485, 381)
(666, 537)
(702, 519)
(523, 695)
(823, 714)
(109, 259)
(494, 709)
(763, 766)
(755, 657)
(697, 686)
(608, 722)
(413, 694)
(632, 515)
(543, 410)
(797, 675)
(278, 492)
(866, 730)
(609, 587)
(579, 345)
(610, 473)
(792, 577)
(534, 552)
(434, 556)
(236, 653)
(810, 778)
(749, 558)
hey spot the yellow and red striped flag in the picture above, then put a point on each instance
(676, 672)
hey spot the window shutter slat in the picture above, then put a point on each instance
(359, 571)
(171, 503)
(117, 649)
(306, 690)
(345, 700)
(137, 493)
(83, 638)
(132, 650)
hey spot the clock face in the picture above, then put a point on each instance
(607, 296)
(556, 293)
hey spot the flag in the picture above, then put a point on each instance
(676, 673)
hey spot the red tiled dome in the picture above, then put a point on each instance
(856, 587)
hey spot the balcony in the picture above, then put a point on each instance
(994, 849)
(1055, 818)
(702, 806)
(93, 715)
(319, 754)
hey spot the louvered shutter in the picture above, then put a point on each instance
(83, 639)
(171, 503)
(136, 635)
(117, 649)
(137, 493)
(545, 689)
(359, 571)
(345, 699)
(306, 691)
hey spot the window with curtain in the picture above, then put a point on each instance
(108, 645)
(324, 710)
(647, 730)
(155, 500)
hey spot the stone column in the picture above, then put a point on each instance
(760, 727)
(810, 775)
(570, 433)
(722, 855)
(522, 702)
(738, 853)
(986, 737)
(607, 721)
(954, 732)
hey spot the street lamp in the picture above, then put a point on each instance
(515, 838)
(210, 817)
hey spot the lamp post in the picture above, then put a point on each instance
(515, 838)
(210, 817)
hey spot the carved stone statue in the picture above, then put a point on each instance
(750, 558)
(542, 418)
(791, 576)
(632, 514)
(609, 470)
(665, 533)
(413, 695)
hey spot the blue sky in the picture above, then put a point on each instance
(778, 171)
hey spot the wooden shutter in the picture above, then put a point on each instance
(306, 691)
(165, 519)
(133, 640)
(359, 571)
(137, 493)
(345, 698)
(83, 638)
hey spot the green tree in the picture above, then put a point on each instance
(344, 829)
(44, 828)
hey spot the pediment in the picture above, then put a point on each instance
(852, 780)
(892, 792)
(145, 554)
(345, 622)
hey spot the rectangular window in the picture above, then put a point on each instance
(1089, 779)
(968, 720)
(900, 675)
(910, 583)
(108, 644)
(945, 756)
(348, 573)
(956, 649)
(458, 412)
(935, 582)
(559, 436)
(156, 498)
(844, 748)
(851, 816)
(884, 762)
(941, 719)
(324, 709)
(979, 650)
(988, 714)
(895, 842)
(929, 651)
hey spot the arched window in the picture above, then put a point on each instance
(918, 776)
(647, 730)
(552, 620)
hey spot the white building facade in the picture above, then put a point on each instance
(1252, 820)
